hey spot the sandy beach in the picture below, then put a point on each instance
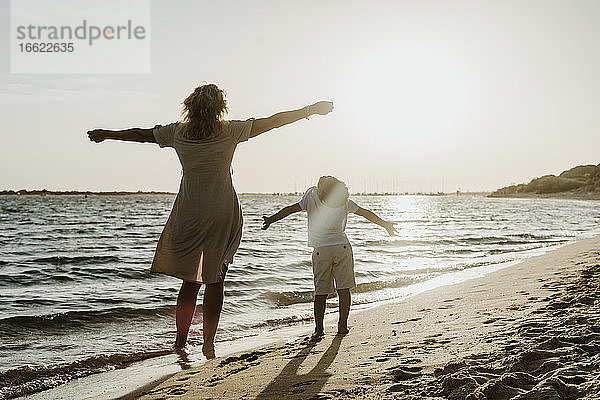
(528, 331)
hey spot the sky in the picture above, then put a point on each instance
(429, 96)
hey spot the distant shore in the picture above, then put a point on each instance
(45, 192)
(578, 183)
(560, 195)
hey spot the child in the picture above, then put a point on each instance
(328, 206)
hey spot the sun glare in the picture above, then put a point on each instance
(409, 92)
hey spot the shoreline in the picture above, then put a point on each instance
(132, 380)
(416, 339)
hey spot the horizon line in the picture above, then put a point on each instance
(31, 192)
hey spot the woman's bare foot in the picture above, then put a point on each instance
(179, 345)
(317, 335)
(208, 349)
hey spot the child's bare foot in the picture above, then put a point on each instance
(343, 329)
(208, 349)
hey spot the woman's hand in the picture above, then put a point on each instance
(389, 227)
(321, 107)
(266, 223)
(97, 135)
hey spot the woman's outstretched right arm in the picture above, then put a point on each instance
(262, 125)
(140, 135)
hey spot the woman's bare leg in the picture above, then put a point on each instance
(186, 305)
(211, 308)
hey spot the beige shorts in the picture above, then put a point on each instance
(333, 264)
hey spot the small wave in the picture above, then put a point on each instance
(27, 380)
(30, 277)
(283, 299)
(462, 251)
(516, 239)
(77, 260)
(79, 319)
(40, 277)
(380, 285)
(269, 323)
(522, 238)
(11, 210)
(404, 243)
(110, 273)
(500, 250)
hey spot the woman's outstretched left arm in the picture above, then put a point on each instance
(141, 135)
(262, 125)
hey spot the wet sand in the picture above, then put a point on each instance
(529, 331)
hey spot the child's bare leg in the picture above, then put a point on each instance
(319, 308)
(344, 299)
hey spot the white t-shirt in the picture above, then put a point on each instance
(326, 225)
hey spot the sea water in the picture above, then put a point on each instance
(77, 296)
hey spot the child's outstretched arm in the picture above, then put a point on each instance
(284, 212)
(371, 216)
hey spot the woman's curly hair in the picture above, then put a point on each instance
(203, 111)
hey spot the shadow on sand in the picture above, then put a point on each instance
(302, 386)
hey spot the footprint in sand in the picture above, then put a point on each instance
(398, 387)
(411, 360)
(320, 396)
(490, 321)
(405, 373)
(451, 300)
(305, 383)
(176, 391)
(407, 320)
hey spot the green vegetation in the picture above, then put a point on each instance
(581, 179)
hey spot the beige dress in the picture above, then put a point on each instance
(204, 229)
